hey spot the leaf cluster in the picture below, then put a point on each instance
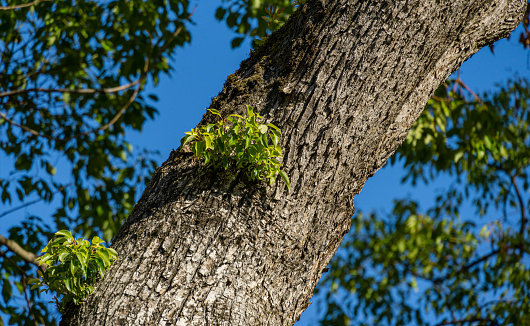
(73, 266)
(240, 142)
(255, 18)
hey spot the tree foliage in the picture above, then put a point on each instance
(72, 266)
(241, 143)
(255, 19)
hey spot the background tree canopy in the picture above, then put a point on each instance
(72, 82)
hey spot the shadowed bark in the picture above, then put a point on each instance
(344, 80)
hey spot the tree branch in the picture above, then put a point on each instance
(14, 209)
(73, 91)
(31, 131)
(124, 108)
(468, 266)
(521, 204)
(20, 270)
(137, 83)
(483, 321)
(23, 5)
(104, 127)
(460, 82)
(481, 259)
(21, 252)
(23, 275)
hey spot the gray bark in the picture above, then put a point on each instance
(344, 80)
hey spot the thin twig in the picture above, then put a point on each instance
(137, 82)
(481, 259)
(20, 270)
(28, 302)
(138, 88)
(31, 131)
(124, 108)
(73, 91)
(23, 5)
(437, 98)
(14, 209)
(490, 322)
(21, 252)
(521, 204)
(477, 98)
(23, 275)
(468, 266)
(117, 116)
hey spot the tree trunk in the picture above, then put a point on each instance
(344, 80)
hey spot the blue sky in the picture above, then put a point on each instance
(202, 67)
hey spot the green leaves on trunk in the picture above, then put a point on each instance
(239, 142)
(72, 266)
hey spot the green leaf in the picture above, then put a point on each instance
(82, 258)
(220, 13)
(96, 241)
(68, 284)
(236, 42)
(210, 127)
(208, 142)
(250, 112)
(57, 242)
(64, 256)
(237, 116)
(73, 268)
(104, 257)
(186, 139)
(270, 125)
(113, 252)
(285, 179)
(214, 111)
(101, 267)
(274, 137)
(23, 162)
(240, 139)
(36, 286)
(65, 233)
(458, 156)
(199, 148)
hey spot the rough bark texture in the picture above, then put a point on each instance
(344, 80)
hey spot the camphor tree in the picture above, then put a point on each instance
(343, 80)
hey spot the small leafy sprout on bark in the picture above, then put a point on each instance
(73, 266)
(240, 142)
